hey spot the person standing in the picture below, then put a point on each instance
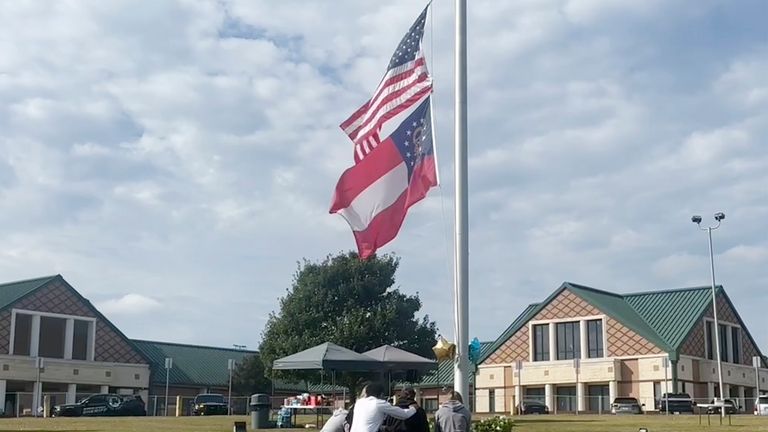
(370, 410)
(417, 423)
(453, 416)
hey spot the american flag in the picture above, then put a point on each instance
(406, 81)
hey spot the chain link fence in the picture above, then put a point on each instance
(568, 404)
(239, 405)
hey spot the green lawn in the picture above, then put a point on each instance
(582, 423)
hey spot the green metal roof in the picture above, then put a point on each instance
(664, 318)
(12, 291)
(193, 365)
(305, 387)
(672, 313)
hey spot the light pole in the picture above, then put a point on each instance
(168, 366)
(38, 393)
(719, 216)
(230, 368)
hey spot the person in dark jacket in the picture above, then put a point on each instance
(453, 416)
(416, 423)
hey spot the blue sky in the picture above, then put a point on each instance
(175, 161)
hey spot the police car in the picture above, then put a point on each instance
(104, 404)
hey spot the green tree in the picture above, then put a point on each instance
(351, 303)
(250, 377)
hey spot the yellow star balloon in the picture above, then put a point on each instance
(444, 350)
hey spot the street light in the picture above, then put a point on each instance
(168, 367)
(230, 369)
(719, 216)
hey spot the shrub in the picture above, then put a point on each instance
(494, 424)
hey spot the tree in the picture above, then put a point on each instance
(348, 302)
(249, 377)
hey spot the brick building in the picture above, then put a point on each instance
(53, 341)
(581, 347)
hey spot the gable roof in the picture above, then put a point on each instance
(519, 322)
(13, 291)
(615, 306)
(672, 313)
(665, 318)
(193, 365)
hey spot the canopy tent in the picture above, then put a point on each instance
(391, 358)
(327, 356)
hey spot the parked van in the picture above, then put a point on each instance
(761, 405)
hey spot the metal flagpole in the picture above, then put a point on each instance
(461, 284)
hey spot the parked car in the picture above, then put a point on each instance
(532, 407)
(626, 405)
(678, 402)
(761, 405)
(210, 404)
(103, 404)
(730, 407)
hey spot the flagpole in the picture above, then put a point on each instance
(434, 141)
(461, 284)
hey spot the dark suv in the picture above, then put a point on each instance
(210, 404)
(677, 402)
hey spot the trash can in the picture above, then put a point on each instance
(260, 405)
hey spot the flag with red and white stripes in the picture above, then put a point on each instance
(405, 83)
(374, 195)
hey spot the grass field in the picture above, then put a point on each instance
(583, 423)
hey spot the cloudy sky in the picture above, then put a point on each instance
(174, 160)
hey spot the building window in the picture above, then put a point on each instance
(723, 335)
(429, 404)
(541, 342)
(568, 346)
(80, 340)
(535, 393)
(22, 333)
(52, 335)
(736, 344)
(710, 340)
(595, 338)
(566, 399)
(492, 401)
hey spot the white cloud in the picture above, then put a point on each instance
(675, 267)
(200, 153)
(129, 304)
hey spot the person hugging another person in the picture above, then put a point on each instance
(371, 409)
(417, 423)
(453, 416)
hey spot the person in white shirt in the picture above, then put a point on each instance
(371, 410)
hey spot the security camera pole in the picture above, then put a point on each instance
(719, 216)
